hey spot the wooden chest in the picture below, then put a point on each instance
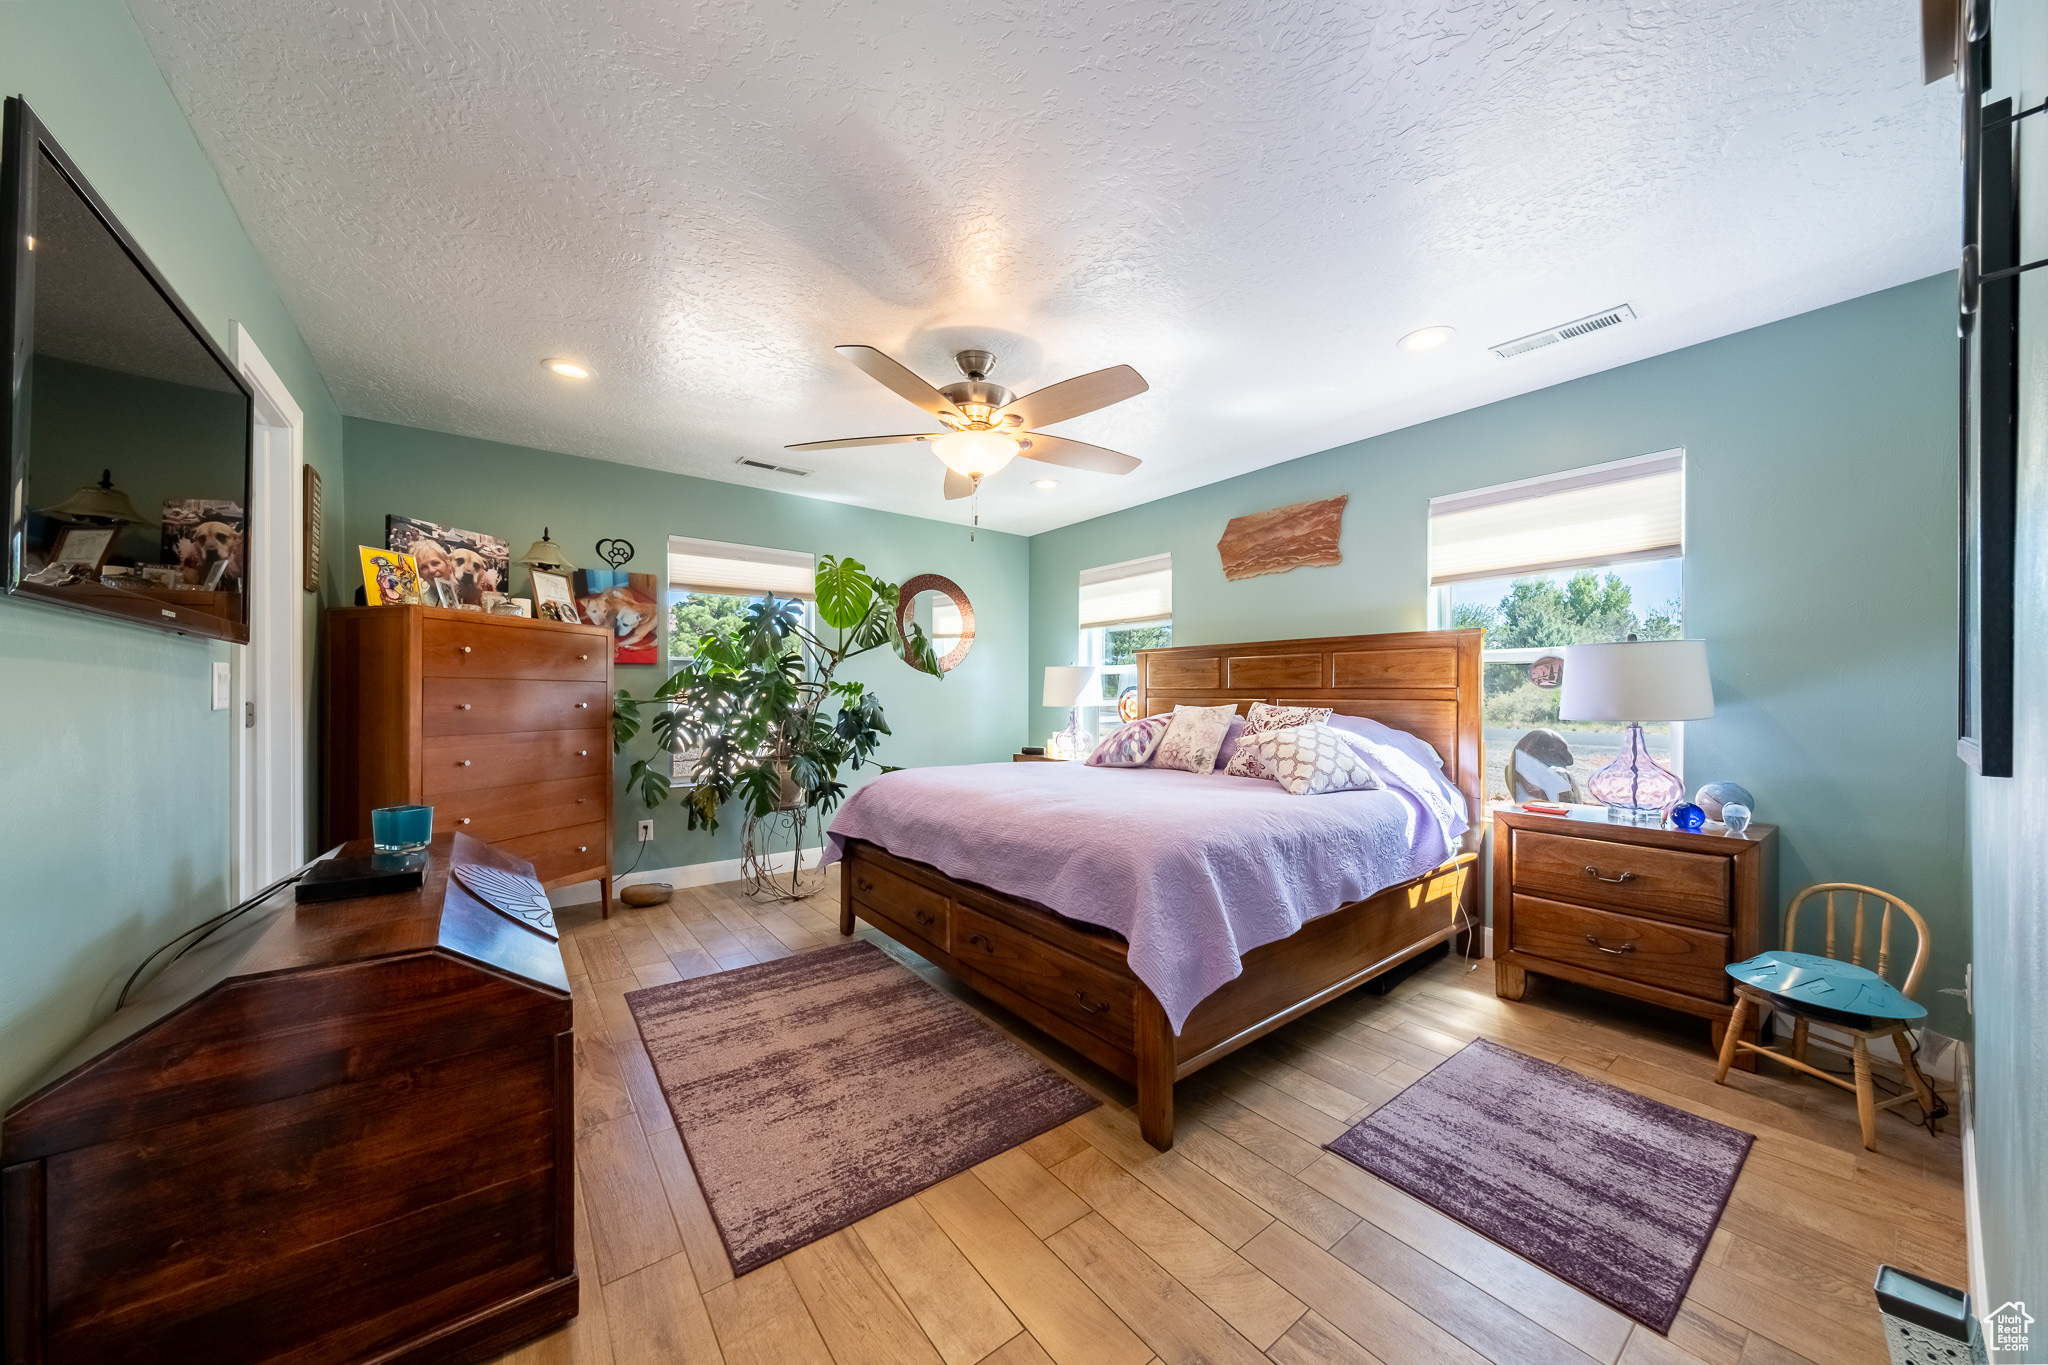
(334, 1133)
(1655, 914)
(501, 724)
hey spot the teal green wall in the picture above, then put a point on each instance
(1820, 532)
(114, 813)
(975, 715)
(2009, 870)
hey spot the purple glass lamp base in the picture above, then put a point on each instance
(1635, 783)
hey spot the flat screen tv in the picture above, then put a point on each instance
(127, 430)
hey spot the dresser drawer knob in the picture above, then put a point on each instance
(584, 657)
(926, 918)
(463, 821)
(1594, 939)
(462, 706)
(1091, 1006)
(581, 799)
(465, 649)
(583, 753)
(583, 848)
(1594, 873)
(463, 764)
(582, 706)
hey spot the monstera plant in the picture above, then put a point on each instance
(762, 717)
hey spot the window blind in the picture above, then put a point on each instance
(1603, 514)
(740, 570)
(1126, 594)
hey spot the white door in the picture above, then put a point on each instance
(270, 718)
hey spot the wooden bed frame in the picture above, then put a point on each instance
(1073, 980)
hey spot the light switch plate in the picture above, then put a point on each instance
(223, 683)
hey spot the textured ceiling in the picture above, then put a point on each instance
(1249, 202)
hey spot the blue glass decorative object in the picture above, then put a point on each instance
(401, 829)
(1685, 815)
(1821, 982)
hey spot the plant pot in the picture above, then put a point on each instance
(791, 796)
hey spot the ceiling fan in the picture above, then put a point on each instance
(988, 426)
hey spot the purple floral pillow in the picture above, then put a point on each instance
(1131, 745)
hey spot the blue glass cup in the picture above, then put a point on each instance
(401, 829)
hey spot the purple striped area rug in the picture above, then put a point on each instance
(1603, 1188)
(813, 1090)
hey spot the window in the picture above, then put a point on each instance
(1582, 557)
(1124, 608)
(711, 586)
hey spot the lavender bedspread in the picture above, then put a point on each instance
(1193, 870)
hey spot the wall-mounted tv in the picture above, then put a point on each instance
(127, 430)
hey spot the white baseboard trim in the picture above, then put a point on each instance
(693, 874)
(1973, 1217)
(1489, 941)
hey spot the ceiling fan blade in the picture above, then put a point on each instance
(898, 380)
(1077, 454)
(1072, 397)
(958, 486)
(860, 441)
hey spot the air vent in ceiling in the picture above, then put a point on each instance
(773, 468)
(1536, 341)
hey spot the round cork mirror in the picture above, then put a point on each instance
(937, 606)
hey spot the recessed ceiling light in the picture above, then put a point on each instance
(1427, 338)
(568, 369)
(1045, 483)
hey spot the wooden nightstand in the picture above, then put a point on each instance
(1656, 914)
(1035, 758)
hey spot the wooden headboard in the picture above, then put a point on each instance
(1423, 681)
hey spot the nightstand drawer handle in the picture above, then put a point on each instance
(863, 884)
(1594, 873)
(926, 918)
(1090, 1007)
(981, 941)
(1594, 939)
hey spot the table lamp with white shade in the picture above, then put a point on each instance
(1064, 684)
(1636, 681)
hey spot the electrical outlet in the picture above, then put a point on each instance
(223, 683)
(646, 831)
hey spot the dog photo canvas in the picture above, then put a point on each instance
(474, 562)
(629, 605)
(203, 538)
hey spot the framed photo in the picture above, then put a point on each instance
(552, 600)
(84, 547)
(476, 563)
(200, 533)
(390, 579)
(629, 604)
(439, 592)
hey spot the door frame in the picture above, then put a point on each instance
(269, 804)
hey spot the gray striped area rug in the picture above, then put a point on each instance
(814, 1090)
(1607, 1190)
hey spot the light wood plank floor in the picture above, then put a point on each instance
(1246, 1242)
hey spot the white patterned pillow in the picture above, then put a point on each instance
(1265, 716)
(1193, 738)
(1130, 746)
(1306, 760)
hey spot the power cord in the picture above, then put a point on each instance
(205, 930)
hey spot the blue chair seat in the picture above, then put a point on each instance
(1825, 989)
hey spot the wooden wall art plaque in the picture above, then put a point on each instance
(1302, 535)
(309, 528)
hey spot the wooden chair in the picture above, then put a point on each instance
(1750, 1000)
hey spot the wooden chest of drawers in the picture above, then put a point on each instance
(1655, 914)
(501, 724)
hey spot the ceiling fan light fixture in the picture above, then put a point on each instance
(1427, 338)
(975, 454)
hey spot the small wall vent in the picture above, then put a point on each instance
(752, 463)
(1536, 341)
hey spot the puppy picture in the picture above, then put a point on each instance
(476, 563)
(204, 537)
(626, 603)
